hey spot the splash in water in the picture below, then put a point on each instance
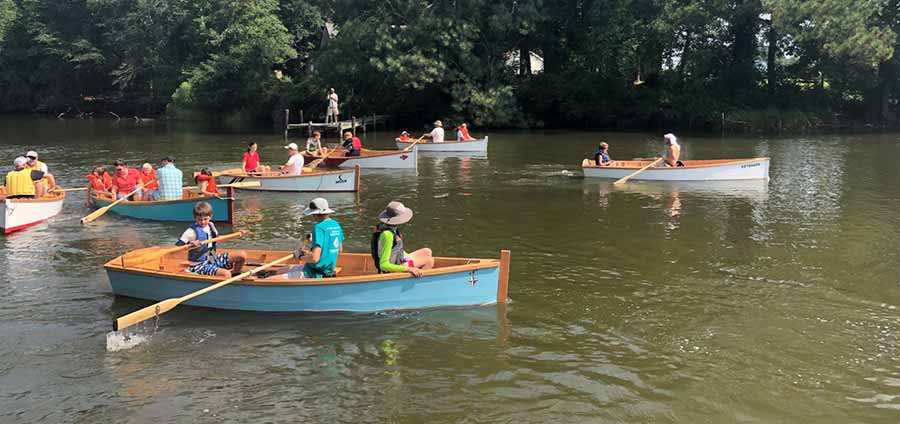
(120, 340)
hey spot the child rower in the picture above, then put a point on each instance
(601, 156)
(325, 244)
(207, 183)
(203, 258)
(387, 244)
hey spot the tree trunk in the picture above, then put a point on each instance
(771, 76)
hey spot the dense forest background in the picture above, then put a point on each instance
(745, 64)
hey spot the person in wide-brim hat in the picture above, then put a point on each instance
(387, 244)
(320, 255)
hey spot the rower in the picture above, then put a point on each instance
(49, 181)
(437, 134)
(19, 182)
(601, 156)
(673, 151)
(352, 143)
(294, 165)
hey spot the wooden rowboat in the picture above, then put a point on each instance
(18, 214)
(171, 210)
(472, 146)
(386, 159)
(693, 170)
(308, 181)
(357, 288)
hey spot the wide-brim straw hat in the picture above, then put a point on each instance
(395, 214)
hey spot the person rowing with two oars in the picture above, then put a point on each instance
(203, 259)
(325, 245)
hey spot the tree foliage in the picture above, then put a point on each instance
(613, 63)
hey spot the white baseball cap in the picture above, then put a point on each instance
(317, 206)
(31, 153)
(21, 161)
(292, 146)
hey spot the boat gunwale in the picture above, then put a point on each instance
(117, 264)
(477, 140)
(275, 177)
(726, 162)
(163, 202)
(364, 154)
(45, 199)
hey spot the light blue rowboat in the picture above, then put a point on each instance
(357, 287)
(171, 210)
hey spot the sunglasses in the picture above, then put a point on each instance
(31, 157)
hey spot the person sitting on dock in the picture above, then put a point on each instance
(673, 151)
(404, 136)
(325, 244)
(601, 156)
(294, 165)
(19, 182)
(49, 181)
(251, 160)
(437, 134)
(203, 258)
(206, 182)
(125, 180)
(171, 180)
(314, 145)
(151, 186)
(333, 114)
(352, 143)
(387, 244)
(462, 133)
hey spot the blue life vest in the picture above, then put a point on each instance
(201, 253)
(601, 156)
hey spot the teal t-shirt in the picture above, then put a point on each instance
(328, 235)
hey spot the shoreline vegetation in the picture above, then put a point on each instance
(731, 66)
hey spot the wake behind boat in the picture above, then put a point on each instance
(473, 146)
(358, 286)
(308, 181)
(693, 170)
(18, 214)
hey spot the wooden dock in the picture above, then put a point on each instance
(340, 126)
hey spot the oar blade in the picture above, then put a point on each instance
(144, 314)
(94, 215)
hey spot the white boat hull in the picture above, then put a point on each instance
(317, 181)
(476, 146)
(387, 159)
(711, 170)
(19, 214)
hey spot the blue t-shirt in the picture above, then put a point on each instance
(328, 235)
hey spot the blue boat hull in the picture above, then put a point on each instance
(450, 289)
(178, 210)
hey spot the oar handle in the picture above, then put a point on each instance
(99, 212)
(139, 259)
(167, 305)
(414, 143)
(627, 177)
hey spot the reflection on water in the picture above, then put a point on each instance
(649, 302)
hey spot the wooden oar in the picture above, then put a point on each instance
(99, 212)
(625, 178)
(408, 148)
(312, 165)
(68, 189)
(166, 305)
(160, 252)
(233, 185)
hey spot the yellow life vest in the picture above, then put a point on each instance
(18, 183)
(39, 166)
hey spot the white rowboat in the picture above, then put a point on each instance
(18, 214)
(308, 181)
(477, 146)
(693, 170)
(384, 159)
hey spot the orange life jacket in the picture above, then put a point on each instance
(147, 178)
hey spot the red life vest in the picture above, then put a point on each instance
(211, 184)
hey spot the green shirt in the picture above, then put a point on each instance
(386, 240)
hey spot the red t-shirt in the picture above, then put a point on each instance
(147, 178)
(126, 184)
(252, 160)
(357, 143)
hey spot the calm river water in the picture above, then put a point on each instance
(724, 303)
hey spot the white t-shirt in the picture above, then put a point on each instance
(333, 100)
(189, 235)
(294, 165)
(437, 135)
(459, 135)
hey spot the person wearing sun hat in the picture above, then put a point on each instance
(387, 244)
(19, 182)
(437, 134)
(294, 165)
(325, 245)
(48, 181)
